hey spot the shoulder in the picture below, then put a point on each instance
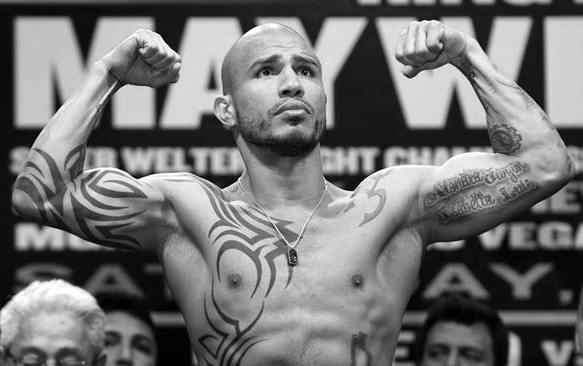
(396, 188)
(177, 186)
(179, 181)
(398, 177)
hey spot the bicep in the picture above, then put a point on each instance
(106, 206)
(473, 192)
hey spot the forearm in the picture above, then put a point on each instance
(516, 124)
(57, 155)
(70, 127)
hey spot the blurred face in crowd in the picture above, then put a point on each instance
(53, 339)
(455, 344)
(129, 341)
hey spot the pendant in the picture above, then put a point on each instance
(292, 257)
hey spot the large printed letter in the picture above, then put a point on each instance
(564, 74)
(455, 277)
(46, 51)
(204, 44)
(426, 99)
(48, 55)
(521, 283)
(335, 42)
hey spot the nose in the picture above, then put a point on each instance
(124, 356)
(453, 359)
(291, 86)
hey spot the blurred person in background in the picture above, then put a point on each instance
(460, 331)
(130, 334)
(52, 323)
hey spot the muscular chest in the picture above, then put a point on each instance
(246, 255)
(255, 256)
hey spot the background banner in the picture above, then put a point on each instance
(529, 268)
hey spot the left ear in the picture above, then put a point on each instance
(101, 360)
(225, 111)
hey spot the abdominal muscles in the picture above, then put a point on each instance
(352, 324)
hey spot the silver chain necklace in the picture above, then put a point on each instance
(292, 253)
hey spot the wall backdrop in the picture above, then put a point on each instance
(531, 267)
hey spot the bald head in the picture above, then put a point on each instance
(256, 39)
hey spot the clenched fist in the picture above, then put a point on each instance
(428, 45)
(143, 58)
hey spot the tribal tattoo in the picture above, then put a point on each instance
(477, 190)
(246, 231)
(371, 192)
(92, 206)
(228, 343)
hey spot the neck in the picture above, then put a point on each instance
(283, 180)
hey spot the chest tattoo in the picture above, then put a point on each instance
(371, 192)
(242, 231)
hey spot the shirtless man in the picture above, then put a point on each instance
(283, 267)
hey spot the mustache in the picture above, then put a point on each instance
(290, 103)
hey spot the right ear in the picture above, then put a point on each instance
(225, 111)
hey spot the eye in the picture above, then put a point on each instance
(265, 71)
(144, 348)
(31, 360)
(31, 363)
(111, 339)
(436, 353)
(70, 361)
(306, 71)
(473, 355)
(143, 344)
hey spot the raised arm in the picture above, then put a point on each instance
(473, 192)
(106, 206)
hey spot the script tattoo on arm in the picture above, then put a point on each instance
(243, 231)
(93, 205)
(374, 191)
(477, 190)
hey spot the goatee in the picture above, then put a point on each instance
(292, 144)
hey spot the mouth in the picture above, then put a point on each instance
(293, 107)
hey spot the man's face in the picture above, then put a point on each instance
(129, 341)
(454, 344)
(278, 93)
(57, 337)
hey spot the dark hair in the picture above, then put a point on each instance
(461, 309)
(126, 302)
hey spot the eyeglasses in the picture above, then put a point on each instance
(33, 359)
